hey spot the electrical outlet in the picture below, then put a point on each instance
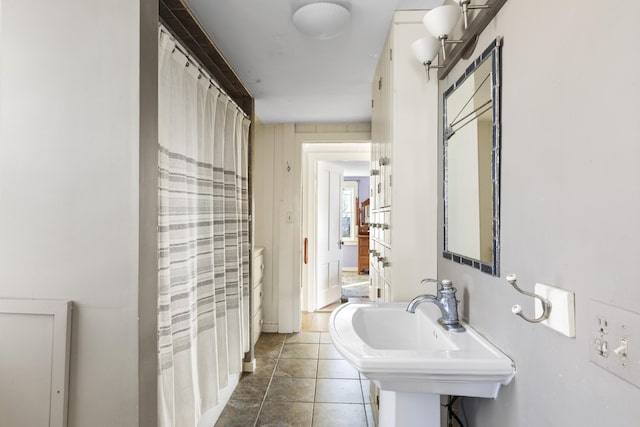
(614, 337)
(601, 325)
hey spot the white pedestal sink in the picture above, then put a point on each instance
(413, 360)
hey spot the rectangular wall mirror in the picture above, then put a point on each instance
(471, 138)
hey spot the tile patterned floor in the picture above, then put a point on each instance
(300, 380)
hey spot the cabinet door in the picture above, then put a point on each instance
(373, 284)
(257, 326)
(257, 298)
(375, 182)
(258, 267)
(387, 295)
(385, 226)
(376, 133)
(375, 278)
(385, 159)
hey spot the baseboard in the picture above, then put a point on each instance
(354, 269)
(270, 328)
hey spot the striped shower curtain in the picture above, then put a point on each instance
(203, 247)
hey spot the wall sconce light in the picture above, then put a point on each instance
(440, 21)
(426, 50)
(466, 7)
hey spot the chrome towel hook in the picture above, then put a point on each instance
(517, 309)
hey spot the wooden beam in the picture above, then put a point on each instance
(182, 23)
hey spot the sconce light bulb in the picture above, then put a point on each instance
(516, 309)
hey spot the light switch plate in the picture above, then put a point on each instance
(562, 317)
(613, 329)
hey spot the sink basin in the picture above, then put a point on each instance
(412, 353)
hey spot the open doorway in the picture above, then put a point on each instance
(335, 184)
(355, 231)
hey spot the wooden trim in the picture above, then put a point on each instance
(148, 217)
(183, 24)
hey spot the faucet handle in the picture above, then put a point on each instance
(442, 284)
(446, 284)
(438, 282)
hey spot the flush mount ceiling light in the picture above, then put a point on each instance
(322, 20)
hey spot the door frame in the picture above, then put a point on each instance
(311, 153)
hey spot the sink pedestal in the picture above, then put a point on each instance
(409, 409)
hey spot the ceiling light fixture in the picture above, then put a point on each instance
(322, 20)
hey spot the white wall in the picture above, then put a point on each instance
(570, 203)
(276, 192)
(69, 186)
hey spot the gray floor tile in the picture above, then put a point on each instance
(328, 351)
(285, 389)
(325, 338)
(287, 366)
(304, 338)
(320, 322)
(250, 388)
(239, 413)
(339, 415)
(366, 390)
(266, 337)
(338, 391)
(299, 351)
(336, 369)
(264, 367)
(370, 418)
(285, 414)
(297, 368)
(268, 349)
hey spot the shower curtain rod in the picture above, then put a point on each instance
(201, 69)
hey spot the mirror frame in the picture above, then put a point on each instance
(491, 53)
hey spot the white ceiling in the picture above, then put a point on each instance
(293, 77)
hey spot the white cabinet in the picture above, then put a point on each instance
(257, 291)
(404, 167)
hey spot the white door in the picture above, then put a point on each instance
(329, 247)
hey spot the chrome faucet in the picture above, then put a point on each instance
(446, 302)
